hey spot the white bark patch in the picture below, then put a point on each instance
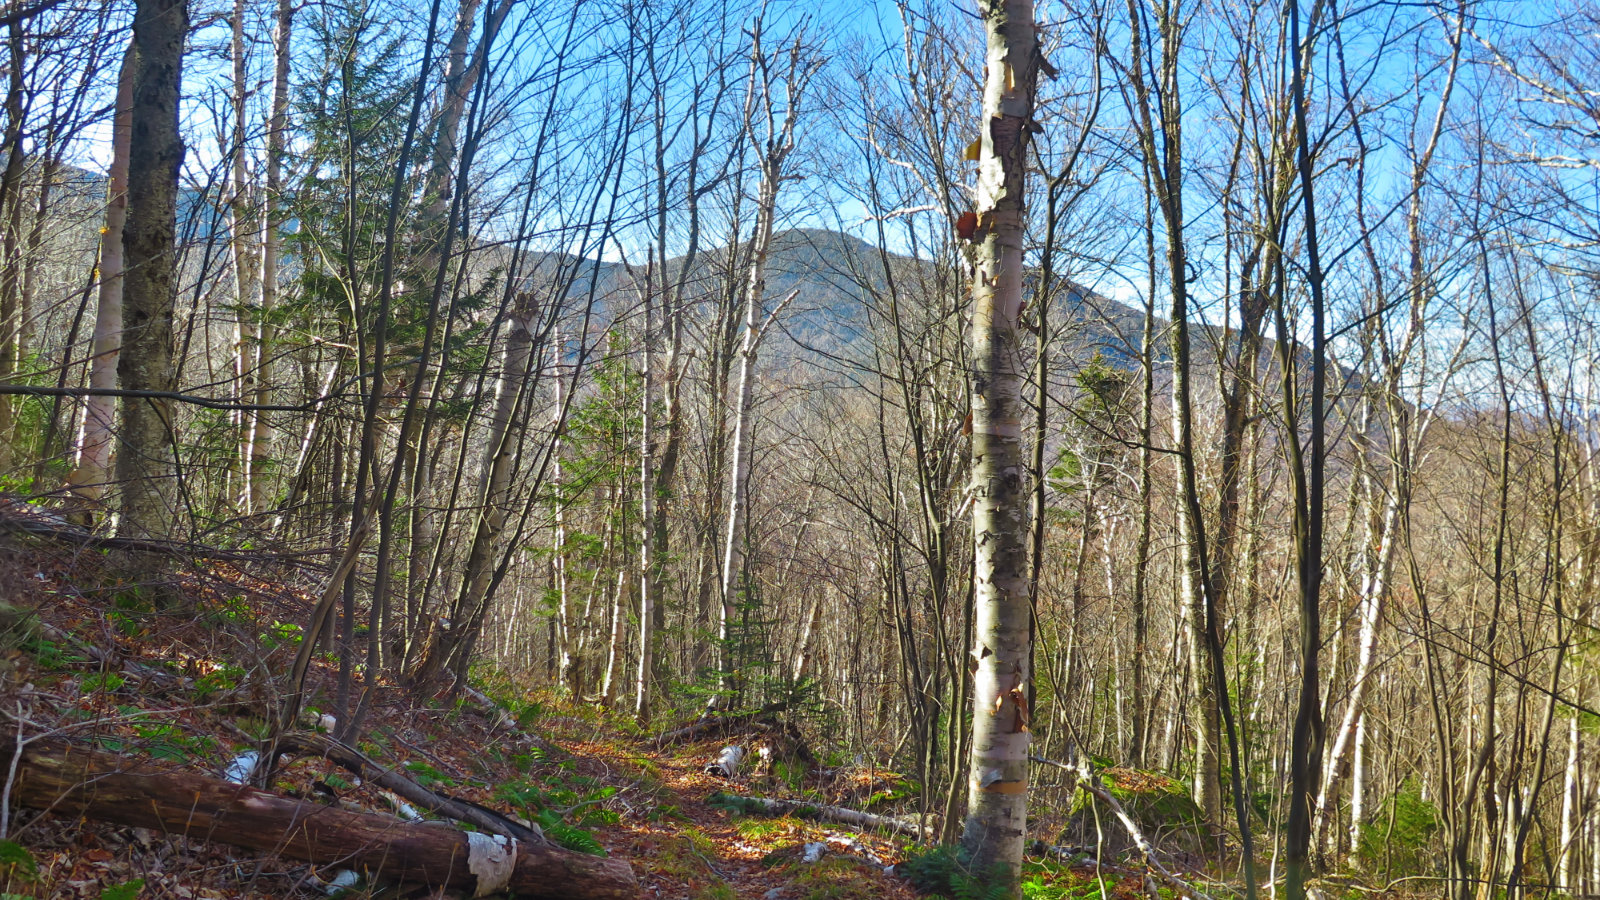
(402, 808)
(343, 880)
(726, 763)
(492, 858)
(243, 767)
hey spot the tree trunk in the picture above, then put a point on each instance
(500, 455)
(1374, 590)
(619, 602)
(1307, 472)
(258, 427)
(244, 223)
(93, 466)
(16, 108)
(649, 565)
(992, 838)
(146, 464)
(776, 144)
(1569, 801)
(742, 451)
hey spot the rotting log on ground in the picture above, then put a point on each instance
(65, 779)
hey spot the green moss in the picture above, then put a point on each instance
(837, 878)
(687, 858)
(1153, 800)
(761, 828)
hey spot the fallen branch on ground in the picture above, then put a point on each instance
(766, 806)
(165, 681)
(66, 779)
(708, 725)
(46, 523)
(1091, 782)
(502, 719)
(367, 769)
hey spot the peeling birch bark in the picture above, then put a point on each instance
(997, 800)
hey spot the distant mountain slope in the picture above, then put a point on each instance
(837, 279)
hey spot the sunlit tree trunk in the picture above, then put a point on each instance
(775, 141)
(494, 497)
(258, 429)
(1358, 785)
(1569, 802)
(649, 567)
(245, 245)
(997, 800)
(146, 465)
(564, 625)
(93, 465)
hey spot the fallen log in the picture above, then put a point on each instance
(707, 725)
(766, 806)
(66, 779)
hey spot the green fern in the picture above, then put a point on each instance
(569, 836)
(126, 891)
(941, 872)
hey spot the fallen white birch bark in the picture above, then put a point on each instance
(727, 762)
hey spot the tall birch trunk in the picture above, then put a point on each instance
(741, 452)
(619, 599)
(992, 838)
(1374, 589)
(564, 624)
(777, 142)
(649, 574)
(1569, 802)
(245, 248)
(258, 427)
(146, 466)
(1358, 784)
(93, 466)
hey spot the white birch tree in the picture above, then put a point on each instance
(770, 123)
(997, 803)
(93, 465)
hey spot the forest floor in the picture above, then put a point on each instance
(179, 671)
